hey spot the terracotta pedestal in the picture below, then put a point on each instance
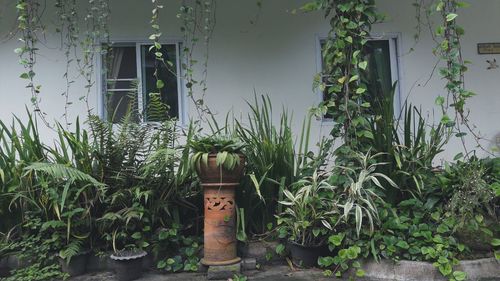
(219, 187)
(220, 224)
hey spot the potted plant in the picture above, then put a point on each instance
(307, 218)
(219, 163)
(127, 230)
(217, 158)
(128, 263)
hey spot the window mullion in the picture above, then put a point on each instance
(140, 94)
(180, 95)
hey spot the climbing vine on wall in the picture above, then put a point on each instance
(346, 94)
(449, 49)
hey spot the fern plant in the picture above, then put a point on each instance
(69, 192)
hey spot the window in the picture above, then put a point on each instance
(382, 71)
(129, 80)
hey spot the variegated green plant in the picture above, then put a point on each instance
(227, 149)
(310, 210)
(360, 191)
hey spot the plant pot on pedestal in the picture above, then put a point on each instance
(219, 184)
(128, 264)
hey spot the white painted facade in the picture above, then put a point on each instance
(278, 55)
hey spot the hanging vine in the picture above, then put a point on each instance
(68, 28)
(29, 24)
(97, 31)
(198, 19)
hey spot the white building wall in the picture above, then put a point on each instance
(277, 56)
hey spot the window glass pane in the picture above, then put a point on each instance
(121, 83)
(166, 72)
(378, 76)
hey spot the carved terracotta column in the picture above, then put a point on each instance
(220, 213)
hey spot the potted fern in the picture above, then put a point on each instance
(219, 163)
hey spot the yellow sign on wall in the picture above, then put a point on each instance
(488, 48)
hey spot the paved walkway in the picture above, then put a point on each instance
(271, 273)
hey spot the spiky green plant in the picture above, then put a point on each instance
(20, 145)
(409, 146)
(274, 161)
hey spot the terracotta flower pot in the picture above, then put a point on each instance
(212, 174)
(219, 186)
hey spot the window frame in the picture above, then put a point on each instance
(101, 80)
(394, 39)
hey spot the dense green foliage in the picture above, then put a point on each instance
(127, 186)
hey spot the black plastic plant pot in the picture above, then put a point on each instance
(306, 256)
(128, 264)
(77, 264)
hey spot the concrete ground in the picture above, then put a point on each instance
(271, 273)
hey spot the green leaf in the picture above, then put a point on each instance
(360, 90)
(440, 100)
(461, 247)
(495, 242)
(459, 275)
(451, 17)
(363, 65)
(280, 249)
(336, 239)
(445, 269)
(403, 244)
(479, 218)
(164, 234)
(360, 273)
(160, 84)
(161, 264)
(442, 228)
